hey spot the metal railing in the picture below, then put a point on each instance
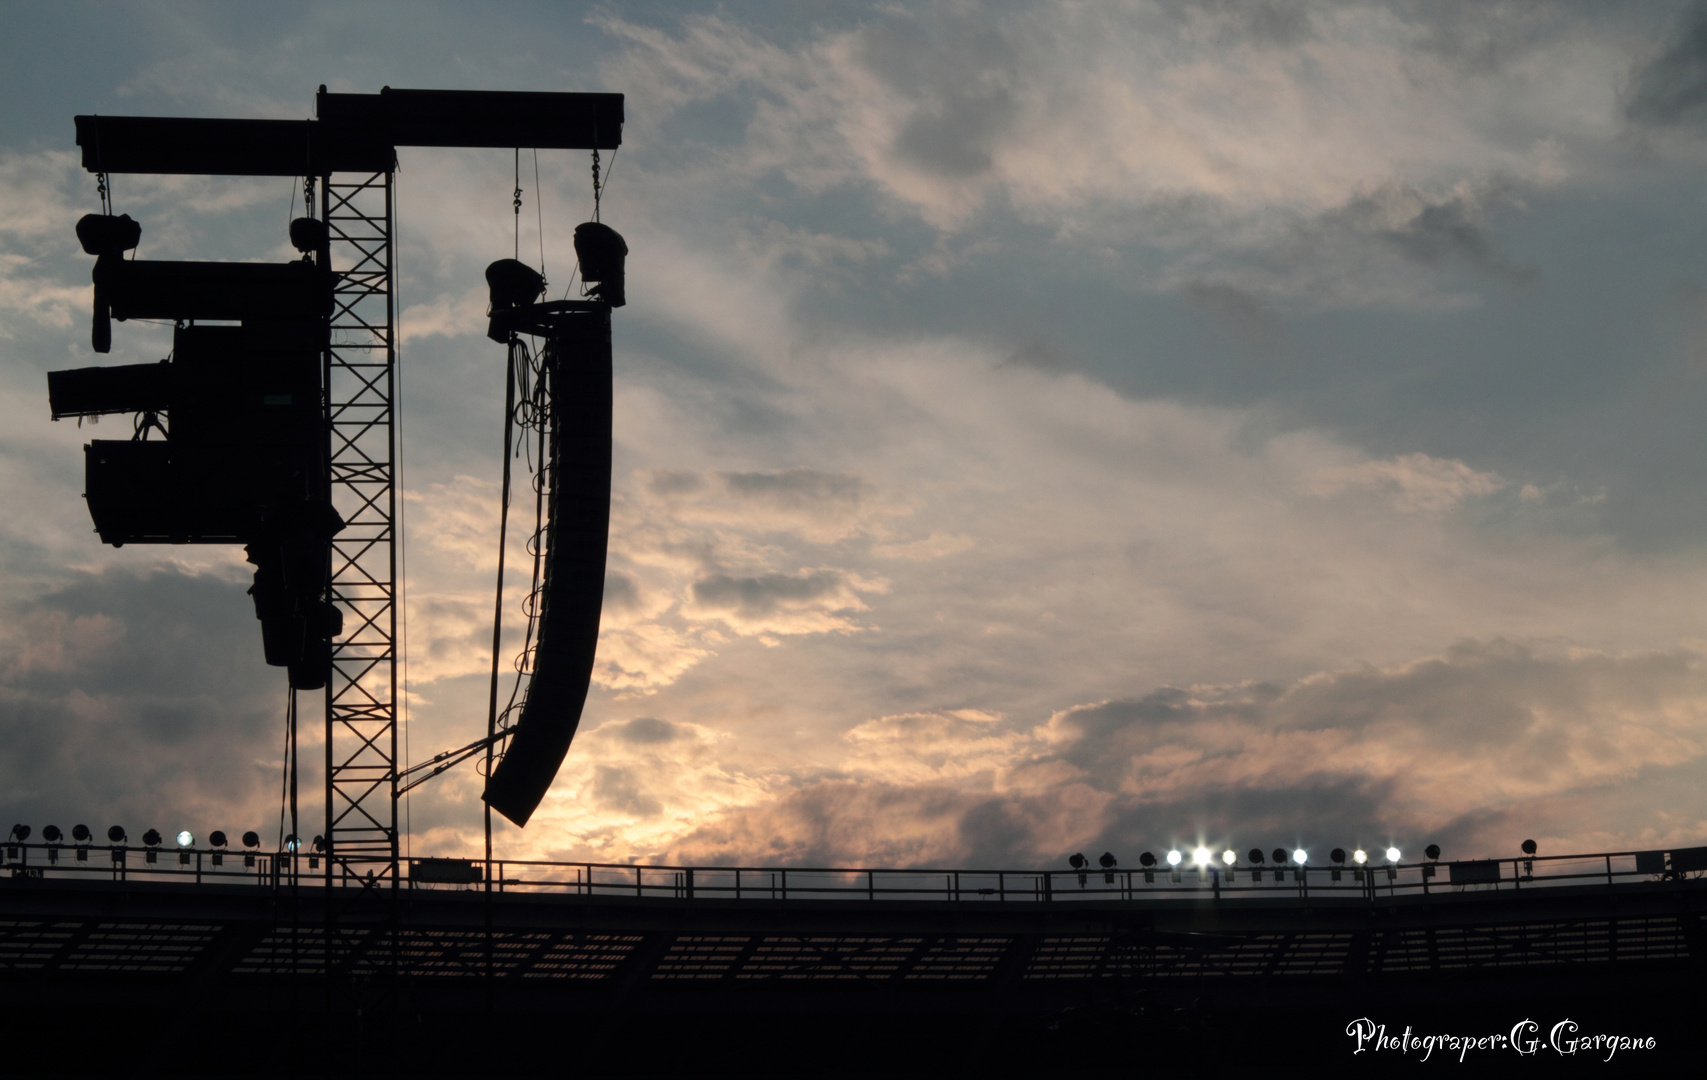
(743, 883)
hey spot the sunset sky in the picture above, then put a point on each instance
(1039, 427)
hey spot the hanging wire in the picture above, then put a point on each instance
(398, 412)
(516, 201)
(595, 183)
(539, 210)
(284, 778)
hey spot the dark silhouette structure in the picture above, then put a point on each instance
(272, 423)
(572, 415)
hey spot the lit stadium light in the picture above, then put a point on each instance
(1229, 857)
(1392, 854)
(186, 838)
(1360, 856)
(1300, 856)
(1174, 857)
(1200, 856)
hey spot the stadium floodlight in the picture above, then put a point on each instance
(80, 833)
(186, 838)
(1280, 856)
(117, 835)
(1174, 857)
(1300, 856)
(1229, 857)
(1337, 856)
(1256, 855)
(1147, 859)
(1393, 854)
(1432, 851)
(1200, 856)
(1360, 856)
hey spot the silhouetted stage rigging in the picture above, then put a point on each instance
(278, 433)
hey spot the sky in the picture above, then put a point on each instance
(1040, 427)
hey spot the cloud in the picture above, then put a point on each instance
(1456, 748)
(1671, 88)
(805, 602)
(1413, 482)
(140, 699)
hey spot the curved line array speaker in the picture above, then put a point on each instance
(577, 533)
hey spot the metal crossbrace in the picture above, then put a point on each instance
(361, 718)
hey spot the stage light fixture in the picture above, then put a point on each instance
(1529, 847)
(1107, 860)
(1392, 854)
(251, 839)
(1229, 857)
(1200, 857)
(291, 843)
(318, 845)
(1432, 851)
(1174, 857)
(1255, 855)
(186, 838)
(1337, 855)
(1077, 862)
(1360, 856)
(1147, 859)
(216, 839)
(1280, 856)
(51, 834)
(21, 833)
(151, 838)
(116, 835)
(80, 833)
(1300, 856)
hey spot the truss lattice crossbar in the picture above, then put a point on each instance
(361, 696)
